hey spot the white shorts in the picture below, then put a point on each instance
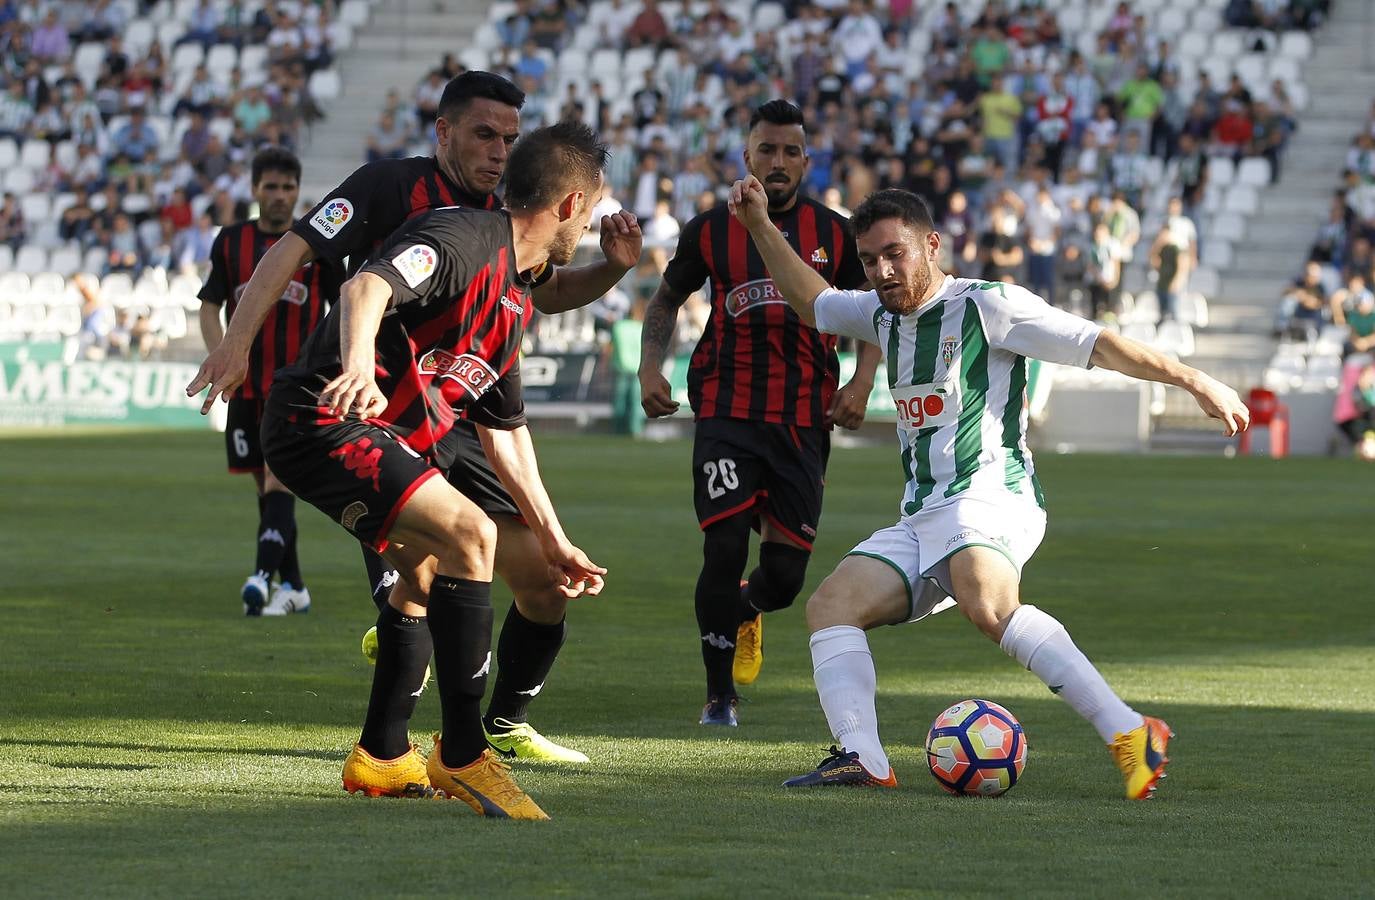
(919, 547)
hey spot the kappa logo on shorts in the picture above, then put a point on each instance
(809, 531)
(352, 513)
(415, 264)
(362, 459)
(962, 536)
(760, 292)
(471, 372)
(332, 217)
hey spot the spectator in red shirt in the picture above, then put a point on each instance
(649, 29)
(1233, 132)
(178, 211)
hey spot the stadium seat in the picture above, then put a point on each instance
(1241, 198)
(35, 154)
(36, 207)
(186, 57)
(66, 155)
(221, 60)
(1227, 226)
(65, 261)
(137, 204)
(139, 36)
(638, 61)
(1194, 45)
(1217, 254)
(168, 34)
(9, 153)
(574, 62)
(31, 260)
(474, 57)
(1175, 337)
(18, 180)
(118, 289)
(63, 318)
(1193, 309)
(325, 84)
(6, 258)
(1172, 22)
(769, 16)
(1295, 45)
(253, 58)
(93, 261)
(1205, 280)
(14, 286)
(1227, 45)
(605, 65)
(1285, 70)
(1254, 171)
(354, 12)
(1145, 307)
(1251, 67)
(1139, 331)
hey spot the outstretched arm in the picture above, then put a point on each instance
(570, 289)
(512, 455)
(798, 282)
(661, 320)
(227, 365)
(1112, 351)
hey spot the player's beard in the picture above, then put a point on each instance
(564, 246)
(276, 217)
(780, 194)
(909, 294)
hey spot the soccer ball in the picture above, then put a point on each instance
(976, 748)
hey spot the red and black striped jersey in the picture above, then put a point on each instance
(451, 336)
(756, 359)
(233, 257)
(358, 216)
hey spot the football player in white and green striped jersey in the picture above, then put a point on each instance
(972, 512)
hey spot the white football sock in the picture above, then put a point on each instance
(1038, 641)
(843, 669)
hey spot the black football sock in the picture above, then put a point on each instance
(403, 652)
(461, 625)
(276, 528)
(525, 654)
(381, 576)
(724, 553)
(289, 569)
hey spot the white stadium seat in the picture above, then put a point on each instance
(9, 153)
(1221, 171)
(1217, 254)
(35, 154)
(18, 180)
(325, 84)
(36, 207)
(1227, 45)
(1193, 45)
(354, 12)
(1285, 70)
(222, 59)
(1227, 226)
(1241, 198)
(139, 36)
(1296, 45)
(1172, 22)
(65, 261)
(1254, 171)
(253, 58)
(769, 16)
(6, 260)
(31, 260)
(1205, 280)
(1175, 337)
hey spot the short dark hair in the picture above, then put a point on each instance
(477, 85)
(778, 112)
(552, 161)
(275, 159)
(893, 203)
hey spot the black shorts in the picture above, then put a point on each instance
(358, 474)
(776, 471)
(241, 443)
(463, 460)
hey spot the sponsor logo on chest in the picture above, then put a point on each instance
(926, 405)
(470, 372)
(760, 292)
(296, 293)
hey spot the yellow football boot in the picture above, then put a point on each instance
(485, 785)
(404, 776)
(1140, 754)
(749, 650)
(520, 740)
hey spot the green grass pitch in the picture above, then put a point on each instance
(156, 743)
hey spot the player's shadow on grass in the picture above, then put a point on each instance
(325, 755)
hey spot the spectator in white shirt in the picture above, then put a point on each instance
(857, 37)
(1042, 238)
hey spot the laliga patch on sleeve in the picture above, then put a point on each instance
(332, 217)
(415, 264)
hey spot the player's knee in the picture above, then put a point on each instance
(830, 605)
(778, 580)
(989, 614)
(469, 542)
(726, 550)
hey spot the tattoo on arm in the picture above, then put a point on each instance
(661, 319)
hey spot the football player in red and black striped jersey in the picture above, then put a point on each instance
(479, 121)
(276, 175)
(432, 324)
(763, 388)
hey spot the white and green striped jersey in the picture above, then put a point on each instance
(957, 369)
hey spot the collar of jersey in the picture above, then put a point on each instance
(937, 297)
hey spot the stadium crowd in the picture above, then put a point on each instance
(1037, 144)
(132, 133)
